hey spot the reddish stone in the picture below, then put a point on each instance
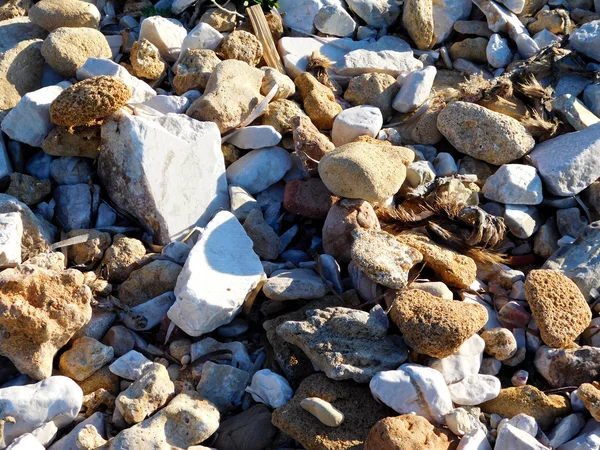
(309, 198)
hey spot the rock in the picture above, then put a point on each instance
(259, 169)
(129, 180)
(28, 189)
(186, 420)
(465, 362)
(475, 389)
(562, 367)
(101, 379)
(323, 410)
(498, 52)
(67, 49)
(295, 284)
(587, 439)
(515, 184)
(194, 70)
(315, 435)
(522, 221)
(435, 327)
(222, 385)
(376, 89)
(219, 19)
(120, 339)
(57, 399)
(511, 437)
(130, 366)
(376, 13)
(274, 77)
(414, 89)
(500, 343)
(354, 122)
(451, 267)
(408, 431)
(121, 258)
(463, 422)
(576, 167)
(53, 14)
(413, 389)
(95, 421)
(279, 115)
(310, 145)
(591, 98)
(76, 205)
(251, 430)
(221, 273)
(367, 171)
(145, 60)
(14, 8)
(71, 170)
(558, 307)
(383, 259)
(590, 395)
(585, 39)
(308, 198)
(241, 202)
(270, 388)
(29, 121)
(147, 315)
(445, 14)
(484, 134)
(11, 234)
(90, 252)
(566, 429)
(334, 21)
(61, 309)
(202, 36)
(570, 222)
(349, 334)
(148, 282)
(319, 101)
(472, 49)
(85, 357)
(239, 354)
(545, 240)
(146, 394)
(417, 18)
(266, 242)
(166, 34)
(528, 400)
(177, 104)
(243, 46)
(255, 137)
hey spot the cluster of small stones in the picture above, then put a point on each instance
(389, 242)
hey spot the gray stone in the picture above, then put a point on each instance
(254, 137)
(5, 165)
(586, 39)
(239, 354)
(376, 13)
(76, 205)
(71, 170)
(514, 184)
(444, 165)
(545, 241)
(588, 439)
(241, 202)
(335, 21)
(295, 284)
(147, 315)
(544, 38)
(120, 339)
(259, 169)
(130, 366)
(223, 385)
(266, 243)
(249, 430)
(570, 222)
(498, 52)
(522, 221)
(414, 89)
(591, 98)
(568, 367)
(566, 429)
(11, 235)
(346, 343)
(300, 16)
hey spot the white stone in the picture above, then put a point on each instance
(68, 442)
(420, 172)
(334, 21)
(270, 388)
(178, 6)
(202, 36)
(26, 442)
(165, 104)
(354, 122)
(413, 389)
(376, 13)
(460, 422)
(300, 16)
(515, 184)
(11, 233)
(586, 39)
(492, 321)
(474, 440)
(166, 34)
(566, 429)
(511, 438)
(5, 165)
(490, 366)
(588, 439)
(522, 220)
(130, 366)
(515, 6)
(115, 42)
(253, 137)
(364, 32)
(169, 173)
(475, 389)
(220, 274)
(446, 13)
(29, 121)
(524, 423)
(45, 433)
(544, 38)
(259, 169)
(140, 91)
(414, 89)
(591, 98)
(56, 399)
(239, 354)
(569, 163)
(465, 362)
(498, 52)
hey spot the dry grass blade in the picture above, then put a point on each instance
(263, 33)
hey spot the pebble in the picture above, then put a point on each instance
(474, 389)
(465, 362)
(51, 14)
(259, 169)
(414, 89)
(270, 388)
(166, 34)
(376, 89)
(255, 137)
(499, 343)
(408, 429)
(295, 284)
(266, 242)
(85, 357)
(510, 437)
(522, 221)
(498, 52)
(222, 385)
(461, 422)
(323, 410)
(334, 21)
(130, 366)
(514, 184)
(354, 122)
(202, 36)
(241, 202)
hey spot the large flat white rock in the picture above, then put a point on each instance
(221, 272)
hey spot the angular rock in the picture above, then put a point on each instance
(90, 252)
(259, 169)
(166, 34)
(270, 388)
(121, 258)
(414, 89)
(148, 282)
(586, 39)
(76, 205)
(28, 189)
(335, 21)
(417, 18)
(511, 437)
(67, 442)
(130, 366)
(589, 393)
(376, 89)
(243, 46)
(85, 357)
(202, 36)
(266, 242)
(308, 198)
(194, 70)
(522, 221)
(319, 101)
(147, 315)
(145, 60)
(562, 367)
(222, 385)
(515, 184)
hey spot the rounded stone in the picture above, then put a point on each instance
(499, 343)
(335, 21)
(376, 89)
(53, 14)
(514, 184)
(409, 431)
(242, 46)
(354, 122)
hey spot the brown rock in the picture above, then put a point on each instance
(275, 25)
(194, 69)
(53, 14)
(85, 357)
(589, 393)
(101, 379)
(242, 46)
(88, 253)
(409, 432)
(279, 115)
(435, 326)
(89, 101)
(149, 281)
(82, 141)
(40, 310)
(355, 401)
(375, 89)
(424, 130)
(219, 20)
(309, 198)
(472, 49)
(14, 8)
(499, 343)
(146, 61)
(121, 259)
(470, 165)
(417, 18)
(28, 189)
(528, 400)
(556, 21)
(319, 101)
(310, 144)
(450, 266)
(230, 153)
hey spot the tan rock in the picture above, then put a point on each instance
(88, 253)
(409, 432)
(81, 141)
(472, 49)
(242, 46)
(219, 20)
(319, 101)
(101, 379)
(470, 165)
(53, 14)
(556, 21)
(194, 70)
(14, 8)
(272, 77)
(279, 115)
(85, 357)
(558, 306)
(28, 189)
(435, 326)
(67, 49)
(499, 343)
(89, 101)
(531, 401)
(450, 266)
(589, 393)
(417, 18)
(310, 144)
(40, 310)
(424, 130)
(375, 89)
(121, 259)
(146, 61)
(148, 282)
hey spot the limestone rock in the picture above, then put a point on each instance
(376, 89)
(194, 70)
(417, 18)
(334, 20)
(474, 389)
(515, 184)
(465, 362)
(279, 115)
(586, 39)
(354, 122)
(275, 77)
(85, 357)
(121, 258)
(145, 60)
(53, 14)
(243, 46)
(295, 284)
(319, 101)
(376, 13)
(166, 34)
(11, 235)
(259, 169)
(567, 367)
(83, 142)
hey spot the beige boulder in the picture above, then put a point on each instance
(83, 141)
(53, 14)
(87, 254)
(242, 46)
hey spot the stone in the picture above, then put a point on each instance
(272, 77)
(90, 252)
(528, 400)
(585, 39)
(223, 21)
(323, 410)
(254, 137)
(413, 389)
(251, 430)
(570, 222)
(588, 439)
(270, 388)
(14, 8)
(101, 379)
(239, 355)
(484, 134)
(522, 220)
(241, 202)
(57, 399)
(148, 282)
(334, 21)
(76, 205)
(157, 202)
(85, 357)
(414, 89)
(67, 442)
(465, 362)
(146, 394)
(71, 170)
(11, 235)
(28, 189)
(121, 258)
(558, 307)
(471, 49)
(29, 121)
(145, 60)
(53, 14)
(319, 101)
(221, 273)
(295, 284)
(417, 18)
(166, 34)
(434, 326)
(120, 339)
(589, 393)
(376, 13)
(566, 429)
(474, 389)
(308, 198)
(383, 259)
(562, 367)
(187, 420)
(515, 184)
(202, 36)
(354, 122)
(463, 422)
(222, 385)
(243, 46)
(310, 145)
(511, 437)
(376, 89)
(499, 343)
(177, 104)
(367, 171)
(313, 434)
(266, 242)
(130, 366)
(147, 315)
(279, 115)
(591, 98)
(194, 70)
(445, 14)
(349, 334)
(259, 169)
(67, 49)
(498, 52)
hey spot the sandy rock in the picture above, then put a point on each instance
(218, 19)
(81, 142)
(121, 258)
(67, 49)
(295, 284)
(590, 395)
(483, 134)
(279, 115)
(417, 18)
(408, 431)
(90, 252)
(145, 60)
(53, 14)
(310, 145)
(376, 89)
(101, 379)
(148, 282)
(558, 307)
(68, 442)
(472, 49)
(562, 367)
(272, 77)
(194, 70)
(319, 101)
(15, 8)
(242, 46)
(28, 189)
(266, 242)
(500, 343)
(85, 357)
(166, 34)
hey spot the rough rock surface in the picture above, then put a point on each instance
(53, 14)
(568, 367)
(85, 357)
(148, 282)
